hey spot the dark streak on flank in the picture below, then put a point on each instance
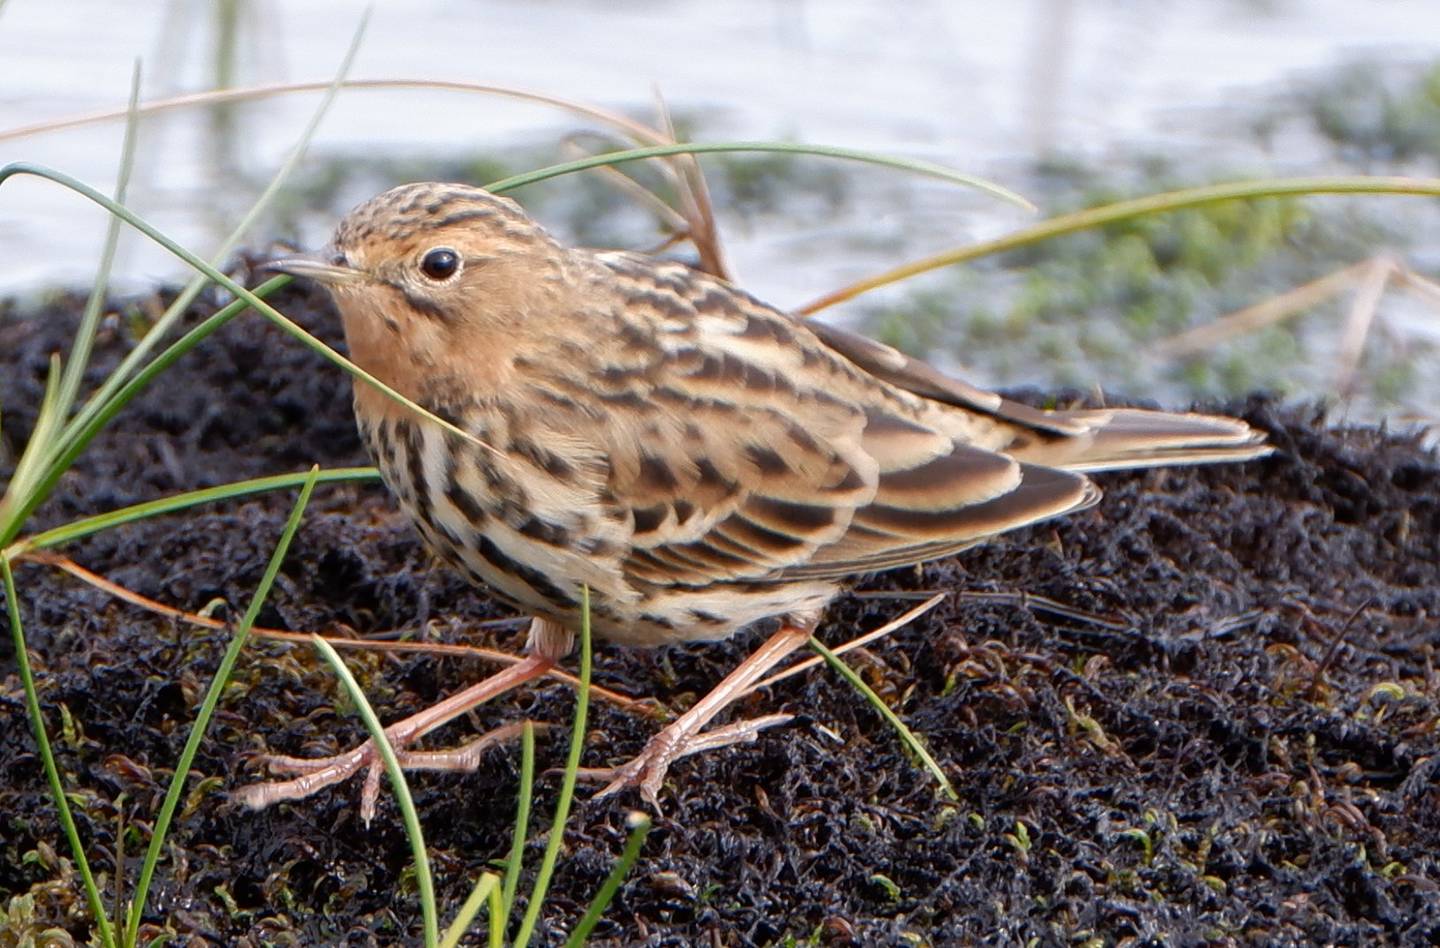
(535, 579)
(415, 443)
(545, 531)
(547, 461)
(469, 508)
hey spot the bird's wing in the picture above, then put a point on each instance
(1080, 440)
(742, 448)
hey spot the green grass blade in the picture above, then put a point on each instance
(1125, 210)
(47, 758)
(90, 320)
(164, 505)
(29, 469)
(639, 828)
(116, 391)
(906, 735)
(516, 859)
(259, 305)
(398, 785)
(86, 426)
(567, 784)
(187, 295)
(484, 888)
(927, 168)
(207, 709)
(498, 920)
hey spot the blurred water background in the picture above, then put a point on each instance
(1070, 102)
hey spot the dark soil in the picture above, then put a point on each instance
(1230, 736)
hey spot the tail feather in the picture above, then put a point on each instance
(1119, 438)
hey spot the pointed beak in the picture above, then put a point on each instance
(317, 266)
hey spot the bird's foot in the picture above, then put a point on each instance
(313, 774)
(647, 770)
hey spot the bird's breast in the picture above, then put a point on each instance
(514, 514)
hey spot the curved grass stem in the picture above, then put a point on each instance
(1125, 210)
(207, 709)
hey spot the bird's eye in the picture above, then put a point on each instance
(440, 263)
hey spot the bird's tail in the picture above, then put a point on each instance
(1118, 438)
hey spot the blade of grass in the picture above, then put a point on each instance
(522, 821)
(192, 289)
(47, 759)
(85, 427)
(207, 709)
(484, 890)
(498, 920)
(1259, 315)
(376, 644)
(567, 783)
(90, 319)
(906, 735)
(398, 786)
(898, 622)
(1124, 210)
(29, 469)
(265, 309)
(212, 97)
(639, 824)
(58, 457)
(216, 276)
(792, 148)
(176, 502)
(119, 879)
(694, 197)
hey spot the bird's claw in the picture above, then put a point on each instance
(313, 774)
(647, 769)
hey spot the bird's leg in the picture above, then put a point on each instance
(547, 643)
(682, 736)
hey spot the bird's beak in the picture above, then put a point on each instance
(316, 266)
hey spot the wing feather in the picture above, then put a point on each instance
(764, 454)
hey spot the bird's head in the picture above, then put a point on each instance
(436, 279)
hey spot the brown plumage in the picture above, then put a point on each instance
(700, 460)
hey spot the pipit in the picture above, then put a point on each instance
(702, 461)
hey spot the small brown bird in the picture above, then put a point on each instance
(701, 461)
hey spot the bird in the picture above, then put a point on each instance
(692, 459)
